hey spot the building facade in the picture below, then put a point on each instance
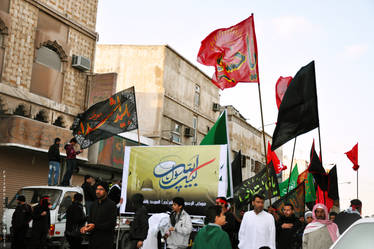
(46, 52)
(176, 102)
(249, 140)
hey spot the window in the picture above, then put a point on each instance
(66, 202)
(197, 96)
(176, 133)
(49, 58)
(33, 196)
(194, 127)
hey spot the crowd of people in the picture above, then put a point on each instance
(225, 228)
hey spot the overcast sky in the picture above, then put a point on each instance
(338, 35)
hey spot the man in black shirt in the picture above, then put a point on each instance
(54, 162)
(89, 192)
(115, 193)
(289, 229)
(20, 223)
(102, 220)
(41, 221)
(348, 217)
(230, 225)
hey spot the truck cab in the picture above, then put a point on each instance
(60, 197)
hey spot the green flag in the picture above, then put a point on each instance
(310, 191)
(218, 134)
(293, 184)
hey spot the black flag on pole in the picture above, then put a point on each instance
(107, 118)
(236, 167)
(298, 111)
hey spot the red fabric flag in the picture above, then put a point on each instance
(322, 197)
(353, 156)
(233, 52)
(303, 176)
(281, 87)
(271, 156)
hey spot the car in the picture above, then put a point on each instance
(358, 236)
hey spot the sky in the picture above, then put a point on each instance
(337, 35)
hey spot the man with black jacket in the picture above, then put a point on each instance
(40, 224)
(289, 229)
(89, 192)
(54, 162)
(115, 193)
(346, 218)
(230, 225)
(75, 219)
(139, 226)
(20, 223)
(102, 220)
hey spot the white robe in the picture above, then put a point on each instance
(257, 230)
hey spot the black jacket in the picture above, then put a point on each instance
(54, 153)
(115, 194)
(230, 225)
(89, 192)
(75, 217)
(289, 238)
(139, 226)
(21, 217)
(345, 219)
(40, 224)
(103, 215)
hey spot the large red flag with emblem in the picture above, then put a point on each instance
(353, 156)
(281, 87)
(233, 53)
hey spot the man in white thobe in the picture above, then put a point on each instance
(257, 228)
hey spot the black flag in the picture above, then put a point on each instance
(298, 112)
(107, 118)
(333, 190)
(317, 170)
(236, 167)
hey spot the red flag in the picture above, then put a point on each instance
(303, 176)
(353, 156)
(322, 197)
(271, 156)
(233, 52)
(281, 87)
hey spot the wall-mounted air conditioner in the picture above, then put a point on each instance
(81, 63)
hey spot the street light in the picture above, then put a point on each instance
(344, 182)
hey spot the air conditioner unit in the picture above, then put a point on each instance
(188, 132)
(81, 63)
(216, 107)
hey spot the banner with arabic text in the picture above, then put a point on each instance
(161, 173)
(106, 118)
(296, 197)
(258, 184)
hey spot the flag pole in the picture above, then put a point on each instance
(270, 190)
(357, 183)
(293, 153)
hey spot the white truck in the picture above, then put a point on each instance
(61, 198)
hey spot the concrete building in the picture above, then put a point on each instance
(176, 102)
(46, 53)
(247, 139)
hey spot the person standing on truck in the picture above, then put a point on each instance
(75, 219)
(102, 220)
(40, 224)
(180, 226)
(54, 162)
(71, 161)
(212, 236)
(89, 192)
(20, 223)
(139, 226)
